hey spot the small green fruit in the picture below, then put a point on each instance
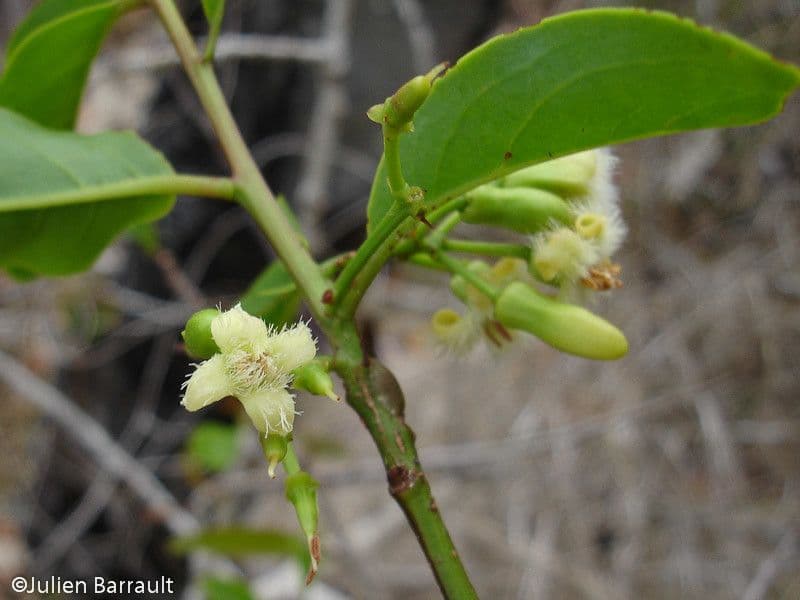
(197, 336)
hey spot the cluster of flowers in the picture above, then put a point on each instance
(570, 208)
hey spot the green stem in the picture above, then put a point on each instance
(252, 191)
(368, 393)
(290, 463)
(391, 158)
(424, 260)
(408, 246)
(487, 248)
(375, 395)
(362, 269)
(190, 185)
(438, 235)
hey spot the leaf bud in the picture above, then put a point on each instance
(197, 336)
(375, 113)
(566, 327)
(399, 109)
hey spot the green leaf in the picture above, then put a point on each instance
(146, 236)
(273, 296)
(227, 589)
(579, 81)
(49, 57)
(214, 10)
(213, 446)
(240, 542)
(39, 163)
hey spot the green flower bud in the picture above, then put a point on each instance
(275, 447)
(566, 176)
(567, 327)
(301, 491)
(312, 378)
(197, 334)
(526, 210)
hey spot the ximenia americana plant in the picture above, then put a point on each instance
(511, 136)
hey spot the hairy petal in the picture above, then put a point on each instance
(292, 347)
(207, 384)
(271, 410)
(235, 329)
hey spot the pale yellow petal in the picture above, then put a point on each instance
(271, 410)
(207, 384)
(235, 329)
(292, 347)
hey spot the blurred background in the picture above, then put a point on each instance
(673, 473)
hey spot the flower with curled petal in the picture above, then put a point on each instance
(255, 365)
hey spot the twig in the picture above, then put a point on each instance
(230, 47)
(771, 566)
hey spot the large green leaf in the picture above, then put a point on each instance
(49, 56)
(575, 82)
(273, 296)
(213, 446)
(39, 163)
(227, 589)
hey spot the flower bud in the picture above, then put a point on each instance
(275, 447)
(566, 176)
(301, 491)
(197, 334)
(525, 210)
(567, 327)
(312, 378)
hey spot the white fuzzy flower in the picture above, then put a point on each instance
(456, 333)
(582, 252)
(562, 254)
(255, 365)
